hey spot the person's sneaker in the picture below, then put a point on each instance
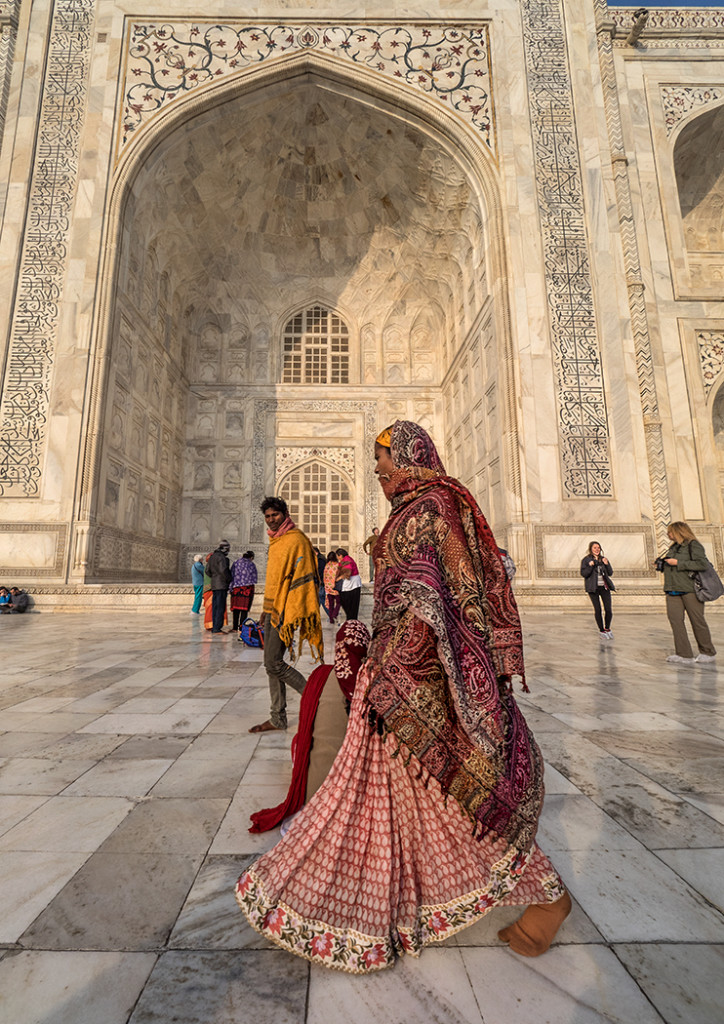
(609, 634)
(705, 657)
(604, 634)
(193, 613)
(680, 660)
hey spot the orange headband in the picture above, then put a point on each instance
(385, 438)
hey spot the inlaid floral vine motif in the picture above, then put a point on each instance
(167, 61)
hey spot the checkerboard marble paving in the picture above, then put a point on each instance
(127, 776)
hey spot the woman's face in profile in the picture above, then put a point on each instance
(384, 466)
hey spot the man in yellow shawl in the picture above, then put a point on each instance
(291, 603)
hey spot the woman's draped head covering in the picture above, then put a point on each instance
(350, 650)
(413, 455)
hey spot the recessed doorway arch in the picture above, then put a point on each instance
(191, 184)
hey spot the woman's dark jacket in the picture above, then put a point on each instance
(590, 574)
(690, 557)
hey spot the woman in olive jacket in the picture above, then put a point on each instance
(685, 555)
(597, 572)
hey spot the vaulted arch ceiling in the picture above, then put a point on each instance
(306, 192)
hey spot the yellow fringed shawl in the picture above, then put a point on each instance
(291, 596)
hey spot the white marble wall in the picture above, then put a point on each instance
(179, 265)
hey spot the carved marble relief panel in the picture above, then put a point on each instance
(166, 60)
(43, 264)
(582, 416)
(711, 356)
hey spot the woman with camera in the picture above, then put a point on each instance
(686, 555)
(597, 572)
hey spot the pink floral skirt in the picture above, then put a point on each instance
(377, 865)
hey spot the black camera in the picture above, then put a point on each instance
(660, 564)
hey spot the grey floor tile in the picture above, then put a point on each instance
(685, 983)
(71, 988)
(211, 918)
(127, 901)
(263, 986)
(160, 825)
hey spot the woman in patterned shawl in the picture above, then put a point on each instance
(428, 817)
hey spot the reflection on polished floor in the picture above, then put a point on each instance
(127, 777)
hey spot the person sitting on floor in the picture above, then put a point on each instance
(19, 600)
(323, 712)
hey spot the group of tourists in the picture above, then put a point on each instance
(340, 584)
(214, 579)
(682, 561)
(13, 599)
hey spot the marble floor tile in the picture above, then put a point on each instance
(263, 986)
(638, 720)
(40, 704)
(28, 882)
(436, 987)
(35, 775)
(210, 917)
(703, 870)
(76, 747)
(72, 988)
(168, 722)
(645, 808)
(574, 822)
(562, 986)
(67, 824)
(168, 824)
(145, 705)
(556, 783)
(29, 744)
(119, 776)
(631, 896)
(146, 747)
(233, 836)
(116, 901)
(196, 777)
(15, 808)
(712, 804)
(684, 983)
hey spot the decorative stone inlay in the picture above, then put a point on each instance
(24, 408)
(711, 356)
(168, 60)
(680, 100)
(288, 457)
(582, 415)
(592, 530)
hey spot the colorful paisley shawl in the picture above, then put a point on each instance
(446, 643)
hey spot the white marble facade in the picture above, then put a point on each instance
(235, 247)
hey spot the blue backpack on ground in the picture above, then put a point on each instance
(251, 633)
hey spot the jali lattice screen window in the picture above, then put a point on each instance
(319, 503)
(316, 348)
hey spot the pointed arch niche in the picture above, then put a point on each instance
(246, 200)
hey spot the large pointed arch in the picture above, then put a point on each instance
(361, 86)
